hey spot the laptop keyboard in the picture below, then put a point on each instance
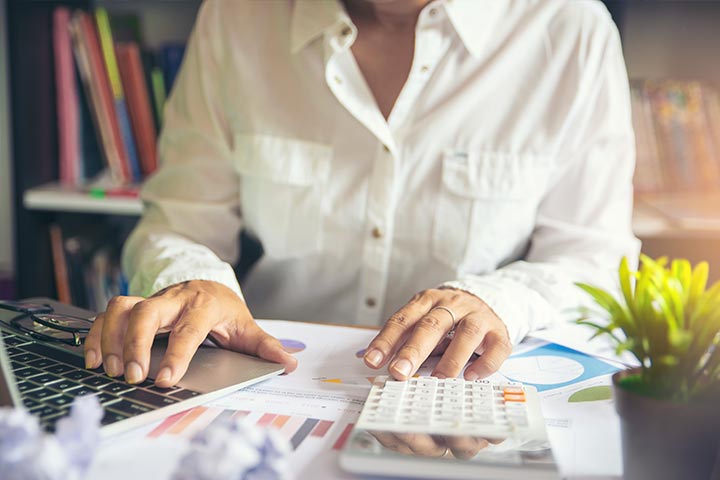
(49, 379)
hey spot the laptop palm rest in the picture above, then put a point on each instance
(214, 368)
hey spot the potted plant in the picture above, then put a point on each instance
(669, 406)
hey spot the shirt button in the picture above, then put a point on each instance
(424, 69)
(377, 233)
(345, 32)
(338, 80)
(370, 302)
(432, 12)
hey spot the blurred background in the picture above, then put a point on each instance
(63, 215)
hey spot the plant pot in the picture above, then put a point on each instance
(662, 439)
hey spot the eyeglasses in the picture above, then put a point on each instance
(42, 322)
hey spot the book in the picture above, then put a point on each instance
(86, 262)
(171, 56)
(159, 93)
(97, 88)
(676, 133)
(68, 103)
(121, 109)
(62, 279)
(91, 160)
(139, 106)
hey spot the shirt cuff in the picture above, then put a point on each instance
(147, 285)
(498, 301)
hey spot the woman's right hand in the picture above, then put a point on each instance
(121, 338)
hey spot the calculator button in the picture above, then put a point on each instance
(513, 391)
(514, 398)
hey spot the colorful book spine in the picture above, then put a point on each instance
(171, 59)
(159, 92)
(94, 77)
(138, 101)
(68, 115)
(121, 109)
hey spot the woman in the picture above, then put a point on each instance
(477, 152)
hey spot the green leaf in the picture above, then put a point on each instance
(666, 360)
(626, 284)
(670, 320)
(680, 339)
(697, 287)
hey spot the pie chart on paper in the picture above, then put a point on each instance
(542, 369)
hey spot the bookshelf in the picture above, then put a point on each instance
(38, 201)
(657, 36)
(674, 39)
(54, 197)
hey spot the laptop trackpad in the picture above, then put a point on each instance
(215, 368)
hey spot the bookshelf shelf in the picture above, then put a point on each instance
(57, 198)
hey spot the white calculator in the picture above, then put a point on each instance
(450, 428)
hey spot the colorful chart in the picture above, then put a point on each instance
(553, 366)
(292, 346)
(295, 428)
(543, 369)
(591, 394)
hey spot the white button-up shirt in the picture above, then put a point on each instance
(504, 168)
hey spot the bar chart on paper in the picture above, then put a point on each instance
(295, 428)
(309, 420)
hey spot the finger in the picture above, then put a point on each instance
(186, 336)
(468, 336)
(390, 441)
(146, 318)
(429, 331)
(464, 447)
(113, 333)
(256, 341)
(93, 357)
(396, 328)
(496, 348)
(422, 444)
(441, 347)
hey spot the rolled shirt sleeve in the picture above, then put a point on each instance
(191, 221)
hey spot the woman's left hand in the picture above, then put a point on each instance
(420, 329)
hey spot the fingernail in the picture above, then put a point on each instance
(163, 376)
(90, 359)
(403, 367)
(374, 357)
(133, 372)
(441, 376)
(112, 365)
(471, 376)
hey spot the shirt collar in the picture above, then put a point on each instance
(312, 18)
(472, 19)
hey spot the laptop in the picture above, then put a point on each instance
(45, 376)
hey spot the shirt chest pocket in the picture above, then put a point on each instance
(486, 207)
(282, 184)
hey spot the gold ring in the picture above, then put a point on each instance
(447, 450)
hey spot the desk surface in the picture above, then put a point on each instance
(328, 390)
